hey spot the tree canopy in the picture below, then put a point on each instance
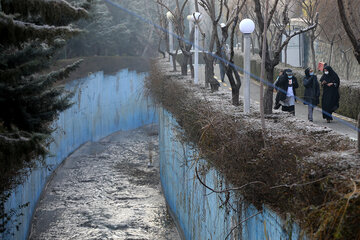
(32, 32)
(111, 31)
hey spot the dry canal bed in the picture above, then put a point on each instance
(107, 190)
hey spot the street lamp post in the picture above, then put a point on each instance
(189, 18)
(247, 26)
(170, 17)
(196, 18)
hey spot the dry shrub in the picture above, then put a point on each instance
(235, 147)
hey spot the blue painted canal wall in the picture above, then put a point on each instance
(103, 105)
(201, 213)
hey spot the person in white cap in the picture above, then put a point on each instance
(285, 97)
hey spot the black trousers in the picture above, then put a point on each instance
(290, 109)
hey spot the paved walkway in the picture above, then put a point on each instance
(342, 125)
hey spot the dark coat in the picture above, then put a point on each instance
(312, 89)
(283, 83)
(331, 96)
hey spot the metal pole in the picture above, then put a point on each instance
(196, 73)
(247, 73)
(190, 26)
(171, 41)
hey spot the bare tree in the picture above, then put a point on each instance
(163, 35)
(330, 27)
(232, 20)
(350, 23)
(210, 8)
(178, 20)
(262, 74)
(274, 49)
(310, 9)
(347, 61)
(231, 10)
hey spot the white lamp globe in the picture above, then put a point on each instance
(247, 26)
(189, 18)
(169, 15)
(196, 17)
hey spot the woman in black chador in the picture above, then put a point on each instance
(330, 99)
(312, 91)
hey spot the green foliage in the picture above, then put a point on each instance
(7, 217)
(32, 31)
(40, 12)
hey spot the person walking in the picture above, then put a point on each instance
(312, 92)
(287, 84)
(277, 104)
(330, 82)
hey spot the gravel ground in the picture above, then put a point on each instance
(107, 190)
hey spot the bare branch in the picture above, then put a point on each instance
(355, 42)
(303, 30)
(225, 190)
(242, 223)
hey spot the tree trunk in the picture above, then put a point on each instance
(159, 48)
(148, 43)
(191, 67)
(252, 46)
(174, 56)
(354, 38)
(269, 90)
(209, 70)
(348, 70)
(312, 48)
(331, 53)
(358, 129)
(313, 56)
(235, 96)
(184, 64)
(235, 86)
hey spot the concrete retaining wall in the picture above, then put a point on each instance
(103, 105)
(202, 214)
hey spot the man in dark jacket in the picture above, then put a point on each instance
(330, 99)
(312, 91)
(285, 96)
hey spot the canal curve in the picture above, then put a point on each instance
(108, 189)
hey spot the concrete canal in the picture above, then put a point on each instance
(108, 189)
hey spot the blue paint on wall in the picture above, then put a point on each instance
(103, 105)
(200, 213)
